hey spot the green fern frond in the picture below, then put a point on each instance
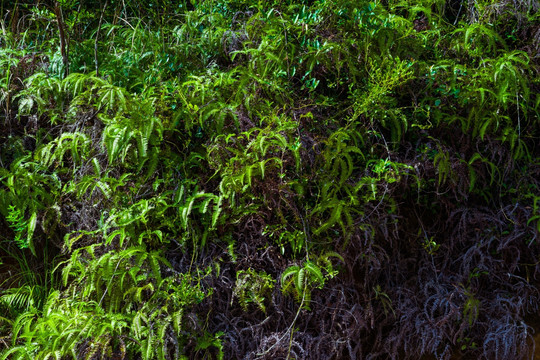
(303, 279)
(300, 280)
(315, 273)
(53, 153)
(290, 271)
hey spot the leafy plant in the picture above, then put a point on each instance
(151, 150)
(300, 280)
(252, 287)
(24, 229)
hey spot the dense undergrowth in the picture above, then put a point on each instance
(239, 180)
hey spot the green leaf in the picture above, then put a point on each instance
(31, 227)
(290, 271)
(300, 280)
(315, 272)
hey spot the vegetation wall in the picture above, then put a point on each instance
(230, 179)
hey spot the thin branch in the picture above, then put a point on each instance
(97, 38)
(61, 27)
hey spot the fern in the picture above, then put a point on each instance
(53, 153)
(116, 294)
(442, 162)
(219, 125)
(21, 299)
(300, 280)
(132, 140)
(252, 287)
(112, 97)
(42, 89)
(24, 229)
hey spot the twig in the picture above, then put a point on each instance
(97, 38)
(61, 26)
(288, 330)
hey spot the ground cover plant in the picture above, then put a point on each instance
(230, 179)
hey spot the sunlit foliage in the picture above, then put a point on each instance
(230, 179)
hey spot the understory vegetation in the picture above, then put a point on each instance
(229, 179)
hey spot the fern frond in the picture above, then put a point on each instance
(290, 271)
(315, 273)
